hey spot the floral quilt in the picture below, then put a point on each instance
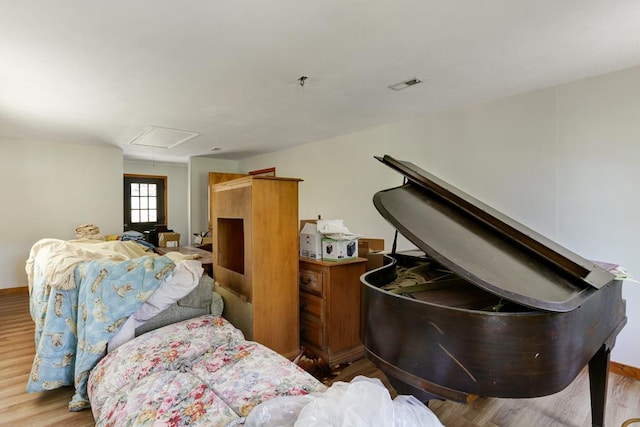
(196, 372)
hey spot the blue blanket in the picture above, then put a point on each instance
(72, 333)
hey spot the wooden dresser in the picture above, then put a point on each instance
(255, 258)
(330, 308)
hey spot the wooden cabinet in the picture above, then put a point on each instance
(254, 223)
(330, 308)
(216, 178)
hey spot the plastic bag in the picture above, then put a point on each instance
(364, 402)
(410, 412)
(277, 412)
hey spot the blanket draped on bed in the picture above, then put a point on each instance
(198, 372)
(74, 325)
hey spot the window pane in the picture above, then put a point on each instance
(144, 200)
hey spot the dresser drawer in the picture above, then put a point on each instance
(311, 332)
(311, 280)
(311, 305)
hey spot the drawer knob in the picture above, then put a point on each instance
(304, 281)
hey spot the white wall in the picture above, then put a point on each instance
(177, 195)
(48, 189)
(563, 161)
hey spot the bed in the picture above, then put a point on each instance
(198, 371)
(140, 337)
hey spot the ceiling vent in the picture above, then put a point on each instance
(405, 84)
(159, 137)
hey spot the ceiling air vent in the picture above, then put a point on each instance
(405, 84)
(159, 137)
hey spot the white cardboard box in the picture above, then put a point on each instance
(339, 250)
(310, 242)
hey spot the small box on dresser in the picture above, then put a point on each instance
(310, 241)
(330, 308)
(339, 250)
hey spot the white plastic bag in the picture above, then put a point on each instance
(410, 412)
(277, 412)
(364, 402)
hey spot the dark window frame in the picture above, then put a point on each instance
(161, 206)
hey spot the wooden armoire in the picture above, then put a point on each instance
(254, 222)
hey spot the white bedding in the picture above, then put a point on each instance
(185, 277)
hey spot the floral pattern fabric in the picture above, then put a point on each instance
(197, 372)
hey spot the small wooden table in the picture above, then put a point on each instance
(205, 257)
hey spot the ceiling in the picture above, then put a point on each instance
(103, 72)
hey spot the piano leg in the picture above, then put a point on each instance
(598, 377)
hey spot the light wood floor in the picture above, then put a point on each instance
(17, 407)
(569, 408)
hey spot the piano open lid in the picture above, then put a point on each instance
(484, 246)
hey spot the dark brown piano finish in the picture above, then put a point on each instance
(440, 347)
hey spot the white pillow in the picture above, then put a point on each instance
(185, 277)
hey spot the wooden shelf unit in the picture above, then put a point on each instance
(254, 222)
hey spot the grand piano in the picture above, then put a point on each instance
(485, 306)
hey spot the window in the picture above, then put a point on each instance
(144, 202)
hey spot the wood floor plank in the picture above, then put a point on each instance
(569, 408)
(17, 407)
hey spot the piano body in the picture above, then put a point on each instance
(486, 306)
